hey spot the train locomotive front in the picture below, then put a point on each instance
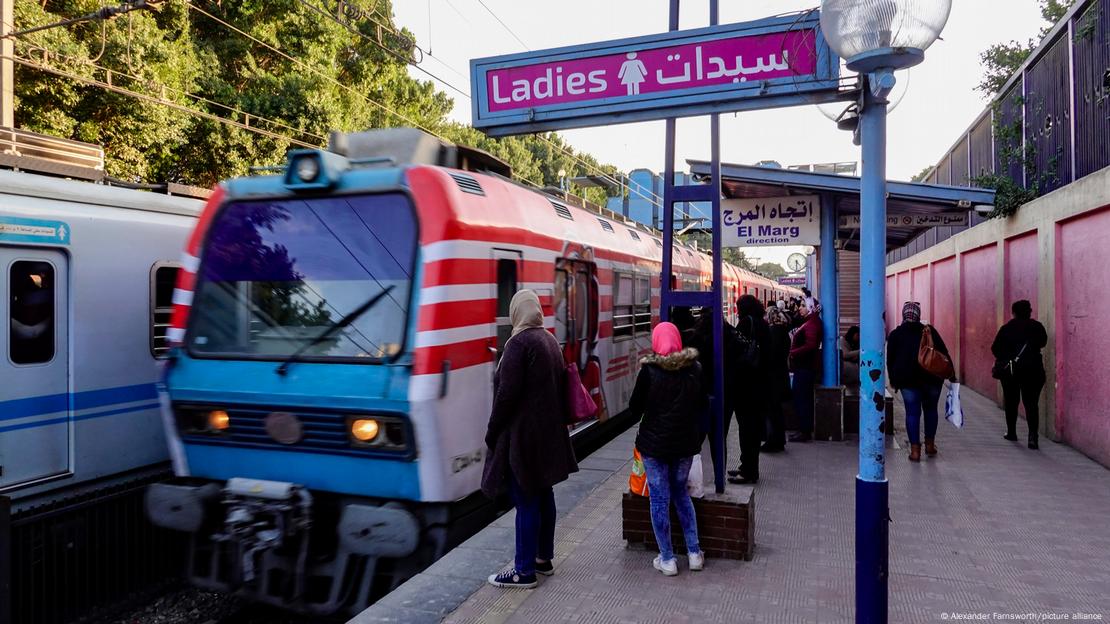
(309, 461)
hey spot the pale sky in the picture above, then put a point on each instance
(939, 104)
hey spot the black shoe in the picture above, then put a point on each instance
(802, 436)
(734, 473)
(772, 448)
(545, 568)
(1010, 436)
(743, 480)
(1033, 445)
(512, 579)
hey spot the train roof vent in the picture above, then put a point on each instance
(561, 209)
(635, 236)
(467, 184)
(605, 225)
(658, 243)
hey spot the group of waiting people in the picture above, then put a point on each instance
(529, 449)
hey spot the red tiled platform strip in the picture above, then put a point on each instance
(726, 524)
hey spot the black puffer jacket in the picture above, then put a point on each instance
(902, 347)
(1024, 336)
(669, 398)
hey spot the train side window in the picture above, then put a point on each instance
(506, 285)
(561, 306)
(623, 310)
(163, 279)
(643, 305)
(581, 304)
(31, 305)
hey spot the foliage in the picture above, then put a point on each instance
(772, 270)
(1009, 195)
(177, 50)
(1001, 60)
(921, 175)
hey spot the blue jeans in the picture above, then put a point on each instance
(667, 480)
(535, 527)
(802, 393)
(916, 400)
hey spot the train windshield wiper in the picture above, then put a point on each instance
(334, 327)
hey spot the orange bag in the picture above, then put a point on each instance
(637, 481)
(931, 359)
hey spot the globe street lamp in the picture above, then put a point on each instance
(876, 37)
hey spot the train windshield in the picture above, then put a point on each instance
(278, 274)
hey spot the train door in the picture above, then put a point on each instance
(508, 267)
(35, 417)
(576, 310)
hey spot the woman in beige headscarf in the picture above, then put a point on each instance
(529, 447)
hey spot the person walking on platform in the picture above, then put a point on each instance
(1020, 368)
(669, 399)
(920, 389)
(753, 383)
(528, 443)
(778, 379)
(805, 362)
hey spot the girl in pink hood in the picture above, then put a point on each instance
(668, 397)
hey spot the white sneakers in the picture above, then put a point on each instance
(670, 568)
(697, 561)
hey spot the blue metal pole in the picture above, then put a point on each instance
(872, 512)
(829, 295)
(718, 295)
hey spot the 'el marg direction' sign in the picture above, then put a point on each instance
(722, 68)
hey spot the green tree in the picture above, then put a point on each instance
(177, 50)
(921, 175)
(772, 270)
(1001, 60)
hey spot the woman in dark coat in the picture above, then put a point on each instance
(920, 389)
(529, 447)
(752, 381)
(1017, 347)
(805, 362)
(778, 386)
(669, 398)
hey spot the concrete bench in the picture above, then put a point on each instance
(726, 524)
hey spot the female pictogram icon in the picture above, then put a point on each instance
(632, 73)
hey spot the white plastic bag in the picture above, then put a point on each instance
(695, 482)
(953, 413)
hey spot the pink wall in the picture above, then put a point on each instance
(1082, 335)
(978, 318)
(1022, 265)
(922, 292)
(903, 297)
(943, 295)
(893, 313)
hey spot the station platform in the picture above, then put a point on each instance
(987, 527)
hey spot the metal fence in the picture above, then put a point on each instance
(1050, 126)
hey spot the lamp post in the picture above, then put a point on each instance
(876, 37)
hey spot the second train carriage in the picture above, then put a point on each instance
(340, 325)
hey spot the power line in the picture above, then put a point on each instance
(110, 73)
(506, 26)
(153, 100)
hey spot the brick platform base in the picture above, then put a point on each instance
(726, 524)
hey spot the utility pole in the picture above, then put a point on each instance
(7, 65)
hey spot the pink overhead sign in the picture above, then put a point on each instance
(733, 60)
(768, 63)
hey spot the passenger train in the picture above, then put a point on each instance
(340, 323)
(85, 300)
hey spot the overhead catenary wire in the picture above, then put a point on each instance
(503, 24)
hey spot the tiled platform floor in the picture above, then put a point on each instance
(987, 527)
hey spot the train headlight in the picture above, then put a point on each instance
(365, 430)
(307, 168)
(218, 421)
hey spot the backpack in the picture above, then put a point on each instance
(747, 355)
(932, 359)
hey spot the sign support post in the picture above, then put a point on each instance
(829, 294)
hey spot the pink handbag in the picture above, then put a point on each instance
(580, 405)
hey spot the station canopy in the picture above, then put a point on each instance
(903, 198)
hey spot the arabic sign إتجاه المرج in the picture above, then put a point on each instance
(21, 230)
(852, 222)
(770, 221)
(770, 62)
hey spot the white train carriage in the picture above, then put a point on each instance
(88, 273)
